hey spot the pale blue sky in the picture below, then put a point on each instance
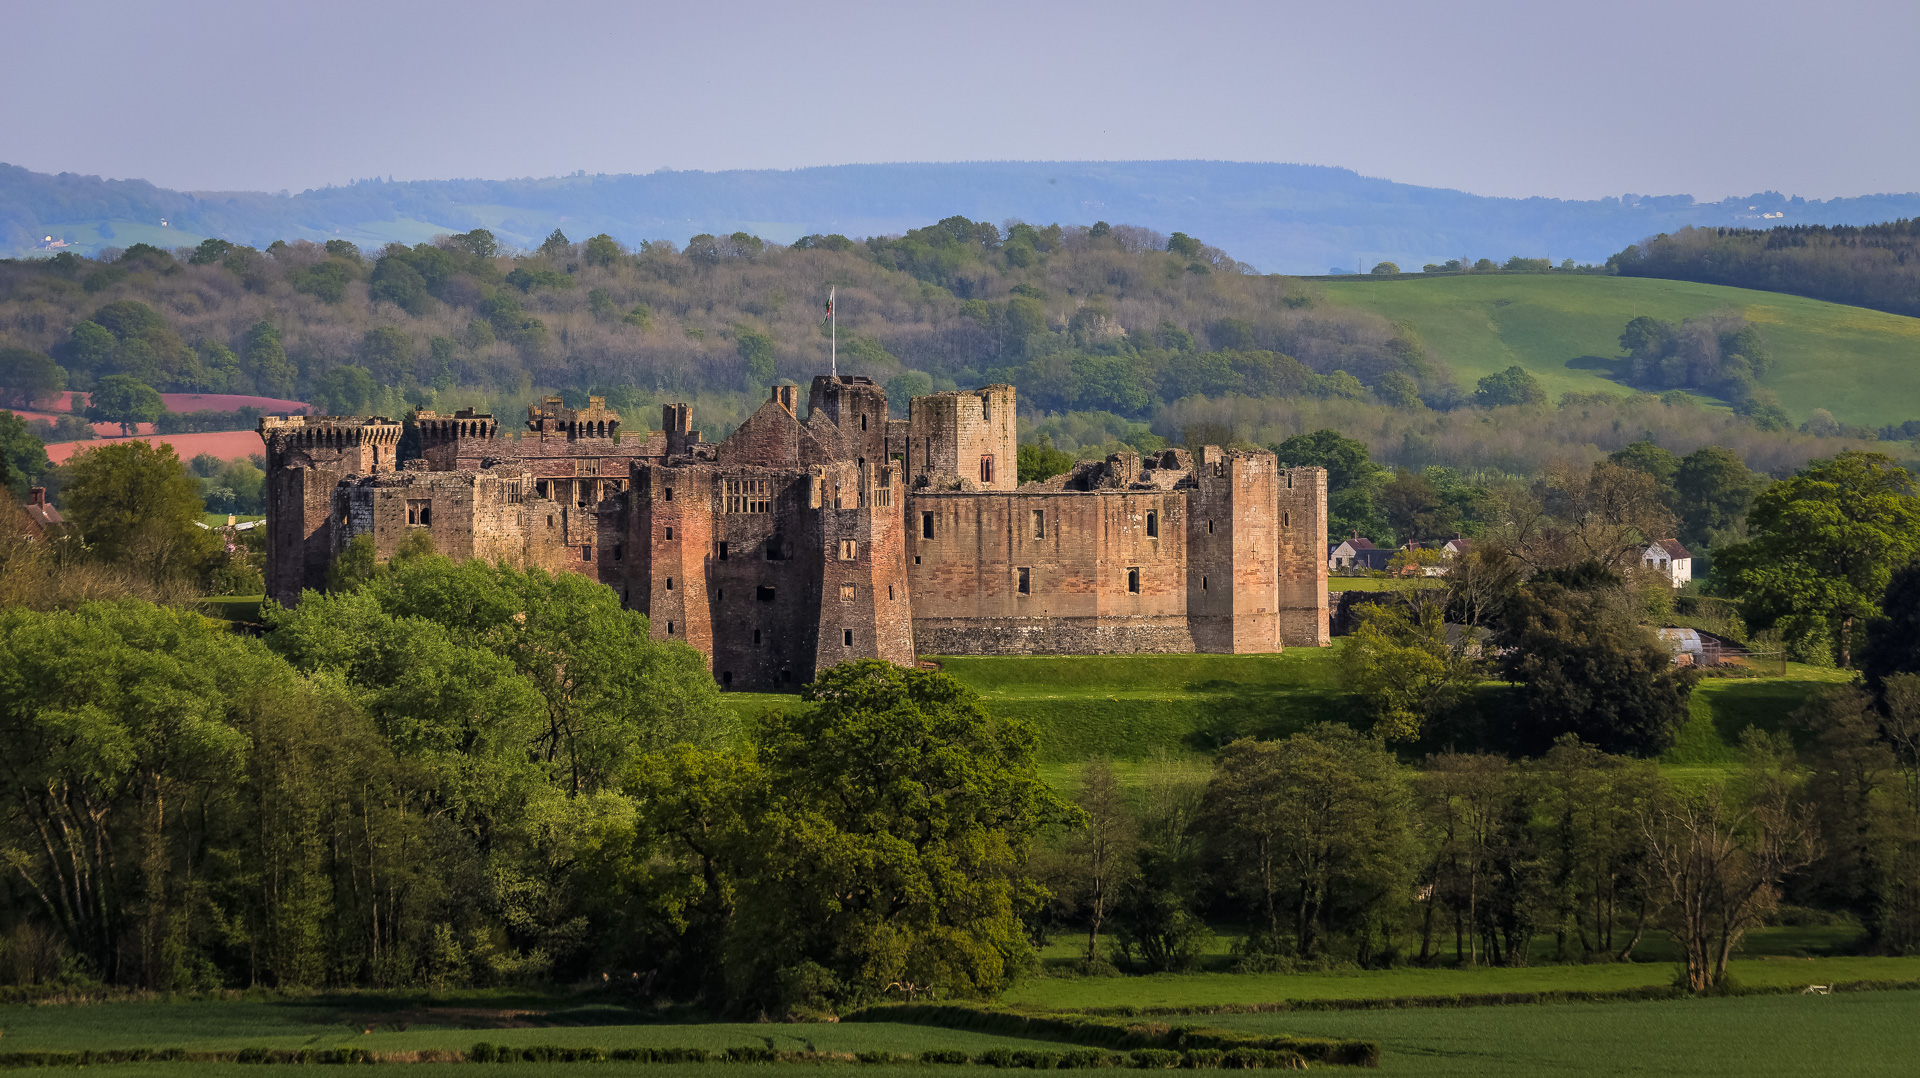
(1573, 100)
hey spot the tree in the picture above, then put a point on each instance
(1712, 490)
(901, 818)
(23, 459)
(1647, 338)
(1893, 638)
(264, 359)
(1383, 268)
(556, 245)
(1397, 389)
(602, 251)
(387, 354)
(1824, 545)
(135, 503)
(1101, 854)
(1158, 928)
(1398, 661)
(1039, 460)
(1716, 860)
(1513, 387)
(127, 401)
(27, 376)
(1352, 478)
(757, 350)
(1312, 829)
(1586, 667)
(1644, 456)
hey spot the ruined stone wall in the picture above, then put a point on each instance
(1101, 577)
(491, 516)
(854, 411)
(1302, 504)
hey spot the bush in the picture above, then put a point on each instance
(951, 1056)
(1155, 1058)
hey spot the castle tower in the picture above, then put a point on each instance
(857, 410)
(863, 608)
(972, 435)
(1302, 520)
(457, 442)
(306, 460)
(677, 421)
(1233, 553)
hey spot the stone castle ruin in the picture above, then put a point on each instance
(802, 541)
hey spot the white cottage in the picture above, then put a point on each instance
(1668, 558)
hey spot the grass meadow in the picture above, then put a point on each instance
(1859, 364)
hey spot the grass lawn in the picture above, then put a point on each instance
(237, 609)
(1722, 708)
(1382, 583)
(1212, 989)
(1860, 364)
(1129, 706)
(457, 1021)
(1865, 1033)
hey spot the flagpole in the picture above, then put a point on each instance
(833, 335)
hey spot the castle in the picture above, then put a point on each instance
(800, 542)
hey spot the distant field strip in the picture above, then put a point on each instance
(1862, 365)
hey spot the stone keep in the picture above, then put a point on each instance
(805, 540)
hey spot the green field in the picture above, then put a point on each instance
(1860, 364)
(1865, 1033)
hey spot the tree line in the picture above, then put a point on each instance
(1875, 266)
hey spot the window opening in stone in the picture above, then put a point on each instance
(1209, 527)
(723, 550)
(726, 677)
(1026, 582)
(764, 593)
(916, 559)
(889, 593)
(549, 520)
(1133, 580)
(1286, 520)
(1153, 525)
(669, 532)
(926, 526)
(1039, 523)
(986, 468)
(1203, 583)
(863, 421)
(756, 636)
(786, 676)
(669, 628)
(617, 551)
(849, 549)
(586, 553)
(847, 637)
(1289, 480)
(669, 493)
(669, 583)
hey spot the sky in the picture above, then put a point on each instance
(1536, 97)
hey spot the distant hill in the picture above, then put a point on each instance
(1279, 218)
(1875, 266)
(1859, 364)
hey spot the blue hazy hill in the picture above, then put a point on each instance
(1279, 218)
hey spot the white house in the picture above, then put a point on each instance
(1357, 553)
(1668, 558)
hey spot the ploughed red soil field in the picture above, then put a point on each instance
(227, 445)
(198, 402)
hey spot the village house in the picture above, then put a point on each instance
(1671, 560)
(1358, 553)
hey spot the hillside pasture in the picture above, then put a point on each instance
(1857, 363)
(226, 445)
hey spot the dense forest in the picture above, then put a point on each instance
(1875, 266)
(1114, 335)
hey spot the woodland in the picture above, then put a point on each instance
(1875, 266)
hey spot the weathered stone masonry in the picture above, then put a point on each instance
(804, 541)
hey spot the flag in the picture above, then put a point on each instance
(829, 314)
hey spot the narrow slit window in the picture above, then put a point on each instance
(669, 583)
(669, 493)
(926, 525)
(1026, 581)
(1203, 583)
(1153, 525)
(1039, 523)
(889, 593)
(669, 628)
(586, 553)
(756, 636)
(723, 550)
(847, 637)
(618, 550)
(669, 533)
(1209, 527)
(1286, 520)
(1133, 581)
